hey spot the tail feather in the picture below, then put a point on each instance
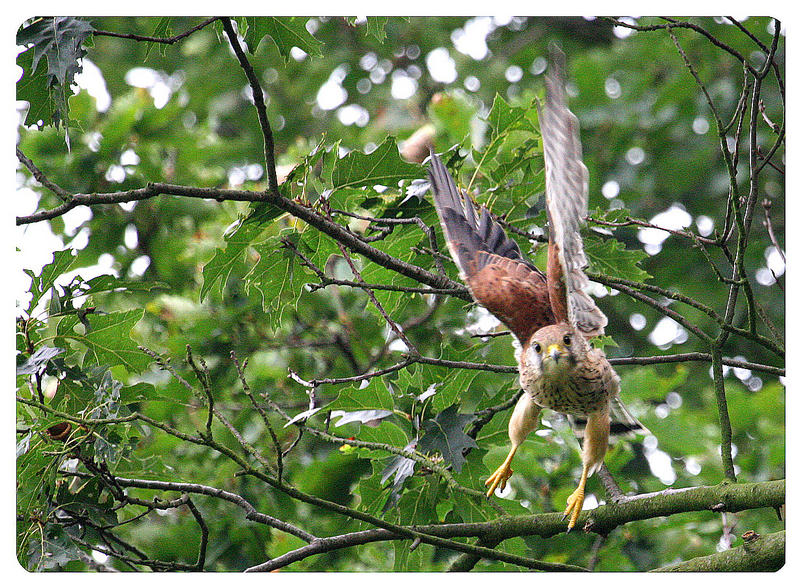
(623, 423)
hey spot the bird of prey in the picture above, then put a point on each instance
(550, 315)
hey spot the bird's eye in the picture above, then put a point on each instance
(537, 347)
(567, 340)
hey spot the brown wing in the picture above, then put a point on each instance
(567, 185)
(490, 263)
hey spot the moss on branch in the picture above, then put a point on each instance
(765, 553)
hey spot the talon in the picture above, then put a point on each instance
(499, 477)
(574, 507)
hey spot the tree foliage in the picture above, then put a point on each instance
(252, 351)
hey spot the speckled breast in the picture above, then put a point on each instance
(570, 395)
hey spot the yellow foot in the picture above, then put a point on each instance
(574, 507)
(499, 477)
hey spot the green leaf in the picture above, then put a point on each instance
(453, 112)
(162, 29)
(107, 397)
(218, 269)
(375, 396)
(107, 339)
(513, 142)
(242, 235)
(34, 88)
(274, 276)
(473, 475)
(417, 504)
(521, 159)
(445, 435)
(51, 548)
(103, 283)
(398, 470)
(454, 386)
(137, 392)
(376, 26)
(317, 247)
(62, 261)
(384, 166)
(285, 32)
(24, 444)
(59, 39)
(601, 342)
(610, 257)
(504, 118)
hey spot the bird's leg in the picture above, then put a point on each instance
(575, 501)
(524, 419)
(595, 445)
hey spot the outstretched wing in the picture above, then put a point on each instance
(567, 190)
(490, 263)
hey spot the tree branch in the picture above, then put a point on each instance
(196, 488)
(672, 23)
(600, 520)
(764, 553)
(704, 357)
(332, 229)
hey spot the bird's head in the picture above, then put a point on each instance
(556, 348)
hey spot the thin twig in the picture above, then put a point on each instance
(613, 491)
(595, 552)
(630, 221)
(258, 101)
(391, 222)
(196, 488)
(162, 40)
(726, 434)
(261, 412)
(412, 350)
(767, 205)
(201, 550)
(205, 384)
(672, 23)
(615, 282)
(63, 194)
(670, 313)
(246, 446)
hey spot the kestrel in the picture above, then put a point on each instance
(550, 315)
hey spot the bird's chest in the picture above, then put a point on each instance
(564, 392)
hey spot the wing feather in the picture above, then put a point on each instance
(490, 263)
(567, 194)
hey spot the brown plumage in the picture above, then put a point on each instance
(551, 316)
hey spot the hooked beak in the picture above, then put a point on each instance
(554, 351)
